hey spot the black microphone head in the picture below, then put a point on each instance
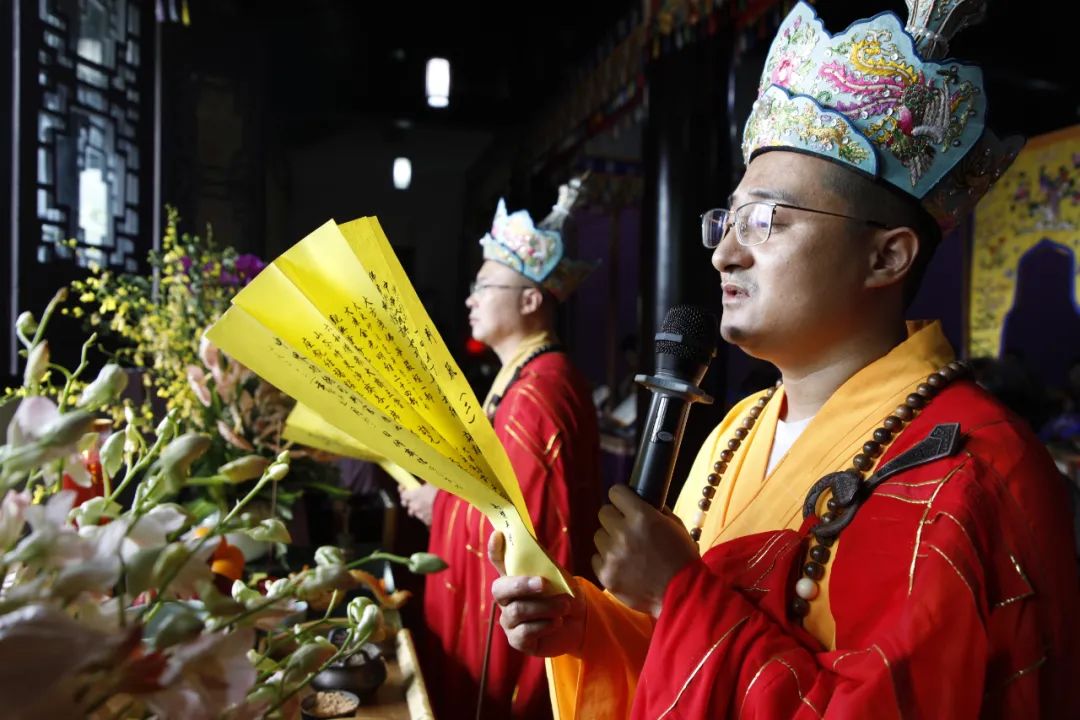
(687, 341)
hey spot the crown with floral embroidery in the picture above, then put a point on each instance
(537, 251)
(870, 99)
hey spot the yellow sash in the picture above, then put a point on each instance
(506, 373)
(747, 502)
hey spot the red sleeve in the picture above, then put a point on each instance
(531, 430)
(731, 651)
(951, 593)
(547, 424)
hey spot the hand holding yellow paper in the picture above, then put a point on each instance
(335, 323)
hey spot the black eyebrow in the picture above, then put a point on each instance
(767, 194)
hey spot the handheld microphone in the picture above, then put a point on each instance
(685, 346)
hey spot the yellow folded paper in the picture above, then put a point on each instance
(335, 323)
(306, 427)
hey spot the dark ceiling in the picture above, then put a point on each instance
(327, 60)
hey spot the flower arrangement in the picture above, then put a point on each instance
(161, 330)
(116, 602)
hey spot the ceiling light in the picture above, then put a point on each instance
(402, 173)
(437, 82)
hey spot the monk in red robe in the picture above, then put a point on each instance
(542, 411)
(875, 537)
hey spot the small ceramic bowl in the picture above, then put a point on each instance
(328, 704)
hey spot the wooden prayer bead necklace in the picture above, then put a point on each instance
(829, 525)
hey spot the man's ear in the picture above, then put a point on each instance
(892, 256)
(531, 300)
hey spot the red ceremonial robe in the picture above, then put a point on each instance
(547, 424)
(954, 593)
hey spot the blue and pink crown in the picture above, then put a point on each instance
(868, 98)
(538, 251)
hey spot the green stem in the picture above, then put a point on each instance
(56, 300)
(73, 376)
(378, 555)
(132, 472)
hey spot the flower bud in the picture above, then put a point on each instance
(245, 468)
(37, 363)
(178, 455)
(269, 530)
(324, 578)
(283, 457)
(66, 429)
(355, 610)
(423, 563)
(105, 388)
(26, 324)
(277, 471)
(370, 619)
(112, 454)
(166, 429)
(241, 593)
(328, 555)
(92, 510)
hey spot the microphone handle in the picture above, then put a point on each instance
(655, 462)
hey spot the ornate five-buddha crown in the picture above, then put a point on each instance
(537, 251)
(870, 99)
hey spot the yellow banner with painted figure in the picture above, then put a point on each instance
(335, 323)
(306, 427)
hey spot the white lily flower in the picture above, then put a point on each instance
(205, 677)
(53, 541)
(13, 517)
(34, 416)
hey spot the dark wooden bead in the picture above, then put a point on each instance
(754, 412)
(904, 413)
(770, 392)
(708, 491)
(704, 503)
(696, 534)
(733, 445)
(871, 448)
(893, 423)
(719, 466)
(713, 479)
(799, 607)
(827, 518)
(748, 423)
(937, 381)
(957, 367)
(827, 541)
(726, 455)
(882, 435)
(862, 462)
(831, 504)
(948, 373)
(740, 433)
(813, 570)
(925, 390)
(915, 401)
(819, 553)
